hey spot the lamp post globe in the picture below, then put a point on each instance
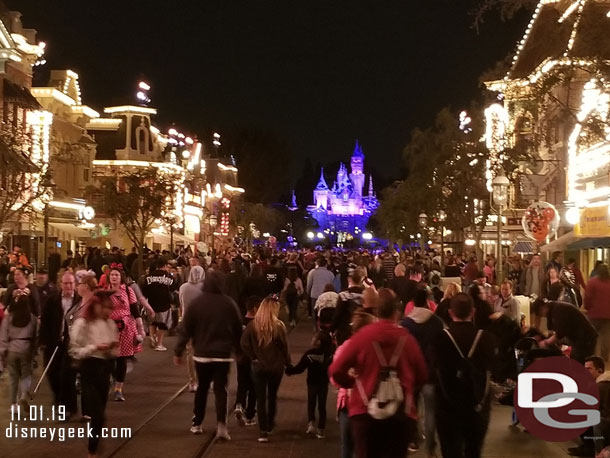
(500, 186)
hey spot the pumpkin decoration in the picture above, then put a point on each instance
(540, 221)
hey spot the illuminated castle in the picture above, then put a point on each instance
(343, 210)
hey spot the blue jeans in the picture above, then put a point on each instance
(347, 443)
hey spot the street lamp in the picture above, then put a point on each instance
(213, 223)
(500, 186)
(423, 222)
(442, 217)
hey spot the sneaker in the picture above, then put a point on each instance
(263, 438)
(196, 429)
(118, 396)
(320, 434)
(85, 419)
(153, 342)
(192, 387)
(239, 414)
(581, 451)
(250, 422)
(413, 447)
(222, 432)
(293, 323)
(310, 428)
(160, 348)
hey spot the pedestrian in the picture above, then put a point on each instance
(533, 278)
(44, 288)
(292, 292)
(426, 327)
(265, 342)
(55, 334)
(400, 283)
(506, 302)
(482, 308)
(94, 343)
(18, 288)
(274, 281)
(316, 361)
(189, 293)
(597, 305)
(570, 325)
(443, 308)
(158, 287)
(347, 303)
(214, 326)
(360, 319)
(462, 357)
(126, 315)
(317, 279)
(378, 353)
(245, 403)
(18, 348)
(421, 298)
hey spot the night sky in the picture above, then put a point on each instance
(319, 73)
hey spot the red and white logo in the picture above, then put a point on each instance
(557, 399)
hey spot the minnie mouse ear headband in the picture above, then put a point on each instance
(116, 266)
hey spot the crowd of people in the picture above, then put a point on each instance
(417, 344)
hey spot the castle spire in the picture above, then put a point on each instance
(371, 192)
(322, 186)
(358, 150)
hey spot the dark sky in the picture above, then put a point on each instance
(319, 72)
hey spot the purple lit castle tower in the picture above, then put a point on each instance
(343, 210)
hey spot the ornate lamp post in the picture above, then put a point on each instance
(423, 222)
(500, 186)
(213, 223)
(442, 217)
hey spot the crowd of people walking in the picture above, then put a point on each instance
(416, 344)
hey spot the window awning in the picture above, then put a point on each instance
(72, 230)
(562, 243)
(11, 159)
(21, 96)
(524, 247)
(590, 242)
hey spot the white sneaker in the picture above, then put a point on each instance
(239, 414)
(196, 429)
(192, 387)
(160, 348)
(311, 429)
(222, 432)
(320, 434)
(153, 342)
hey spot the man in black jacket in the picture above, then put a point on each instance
(214, 326)
(347, 303)
(55, 333)
(158, 287)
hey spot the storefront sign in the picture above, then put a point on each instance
(594, 222)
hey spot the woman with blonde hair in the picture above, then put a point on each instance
(443, 308)
(264, 341)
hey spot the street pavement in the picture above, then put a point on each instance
(159, 409)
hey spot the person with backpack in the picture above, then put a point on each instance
(462, 358)
(389, 366)
(316, 360)
(292, 292)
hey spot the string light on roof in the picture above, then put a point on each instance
(465, 122)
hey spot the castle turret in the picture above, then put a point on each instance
(320, 194)
(357, 165)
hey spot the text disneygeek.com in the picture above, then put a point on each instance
(62, 433)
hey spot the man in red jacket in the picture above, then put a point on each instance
(597, 306)
(385, 438)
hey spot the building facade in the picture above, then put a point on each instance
(343, 210)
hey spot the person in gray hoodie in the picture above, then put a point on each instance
(188, 293)
(213, 324)
(18, 347)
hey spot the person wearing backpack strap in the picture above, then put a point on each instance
(462, 358)
(389, 368)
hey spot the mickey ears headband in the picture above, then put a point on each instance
(116, 266)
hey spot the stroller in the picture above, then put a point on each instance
(527, 351)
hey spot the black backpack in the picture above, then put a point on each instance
(472, 385)
(291, 290)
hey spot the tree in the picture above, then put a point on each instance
(22, 181)
(263, 217)
(136, 199)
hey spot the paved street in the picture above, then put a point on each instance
(160, 413)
